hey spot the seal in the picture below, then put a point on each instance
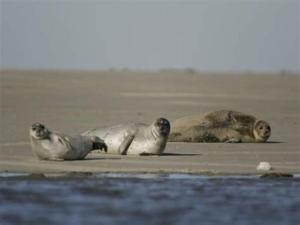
(134, 138)
(47, 145)
(220, 126)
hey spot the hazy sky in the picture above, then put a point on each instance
(214, 35)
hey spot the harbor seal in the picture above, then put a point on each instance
(135, 138)
(47, 145)
(220, 126)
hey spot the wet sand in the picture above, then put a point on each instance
(75, 101)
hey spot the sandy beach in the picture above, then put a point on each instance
(74, 101)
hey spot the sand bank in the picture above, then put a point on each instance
(75, 101)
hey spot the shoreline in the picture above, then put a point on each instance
(142, 175)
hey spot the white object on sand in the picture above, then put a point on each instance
(266, 166)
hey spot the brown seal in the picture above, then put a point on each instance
(220, 126)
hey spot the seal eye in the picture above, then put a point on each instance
(261, 127)
(33, 128)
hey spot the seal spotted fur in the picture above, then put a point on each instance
(220, 126)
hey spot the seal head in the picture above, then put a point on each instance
(161, 127)
(39, 131)
(261, 131)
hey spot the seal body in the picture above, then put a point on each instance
(47, 145)
(134, 138)
(220, 126)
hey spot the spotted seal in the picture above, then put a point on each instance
(134, 138)
(220, 126)
(47, 145)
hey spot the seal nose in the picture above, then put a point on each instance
(268, 131)
(163, 124)
(37, 127)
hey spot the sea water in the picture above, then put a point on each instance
(160, 199)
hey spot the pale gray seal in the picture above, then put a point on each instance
(134, 138)
(220, 126)
(48, 145)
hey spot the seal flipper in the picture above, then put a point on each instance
(98, 143)
(233, 140)
(125, 144)
(65, 141)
